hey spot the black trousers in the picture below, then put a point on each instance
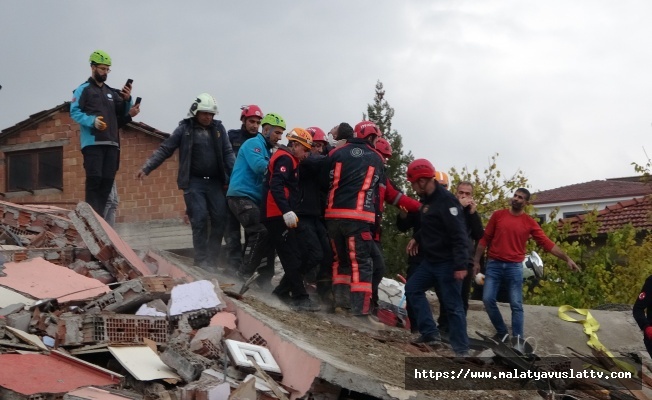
(101, 163)
(285, 243)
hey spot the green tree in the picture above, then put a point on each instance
(393, 241)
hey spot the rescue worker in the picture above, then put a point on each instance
(411, 220)
(100, 110)
(443, 242)
(245, 195)
(355, 170)
(317, 256)
(642, 311)
(388, 193)
(281, 198)
(250, 118)
(205, 164)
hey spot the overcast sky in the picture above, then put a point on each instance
(560, 89)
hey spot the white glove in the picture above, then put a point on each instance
(291, 219)
(99, 123)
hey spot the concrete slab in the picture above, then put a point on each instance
(35, 278)
(193, 296)
(9, 297)
(54, 373)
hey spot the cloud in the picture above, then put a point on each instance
(559, 89)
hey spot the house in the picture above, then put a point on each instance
(637, 212)
(41, 163)
(581, 198)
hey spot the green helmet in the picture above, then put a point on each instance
(274, 120)
(100, 57)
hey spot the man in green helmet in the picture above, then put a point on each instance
(100, 110)
(246, 191)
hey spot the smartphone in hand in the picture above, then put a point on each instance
(129, 82)
(138, 99)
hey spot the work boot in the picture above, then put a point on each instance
(369, 322)
(430, 340)
(305, 304)
(282, 295)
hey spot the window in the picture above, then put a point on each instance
(35, 169)
(541, 218)
(574, 213)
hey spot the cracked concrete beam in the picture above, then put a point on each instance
(106, 245)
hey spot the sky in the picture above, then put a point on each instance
(561, 90)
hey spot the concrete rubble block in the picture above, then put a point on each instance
(187, 364)
(132, 294)
(35, 219)
(206, 388)
(12, 308)
(224, 319)
(155, 308)
(106, 245)
(3, 324)
(70, 330)
(193, 296)
(20, 320)
(207, 341)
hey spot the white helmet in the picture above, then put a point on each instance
(532, 266)
(204, 102)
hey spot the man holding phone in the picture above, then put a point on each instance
(100, 111)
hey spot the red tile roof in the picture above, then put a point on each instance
(636, 211)
(593, 190)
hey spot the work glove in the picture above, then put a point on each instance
(291, 219)
(648, 332)
(99, 123)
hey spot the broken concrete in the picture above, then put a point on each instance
(34, 277)
(57, 373)
(132, 294)
(106, 245)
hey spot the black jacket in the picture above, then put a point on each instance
(443, 236)
(182, 139)
(237, 137)
(312, 172)
(356, 170)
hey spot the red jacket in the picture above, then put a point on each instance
(390, 194)
(281, 191)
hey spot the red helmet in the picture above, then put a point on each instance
(383, 147)
(250, 111)
(420, 168)
(317, 134)
(366, 128)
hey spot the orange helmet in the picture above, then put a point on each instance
(420, 168)
(383, 147)
(366, 128)
(442, 178)
(300, 135)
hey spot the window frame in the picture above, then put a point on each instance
(36, 170)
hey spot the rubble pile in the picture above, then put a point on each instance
(83, 316)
